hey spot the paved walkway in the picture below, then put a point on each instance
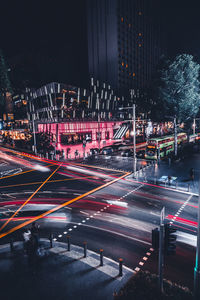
(60, 274)
(179, 171)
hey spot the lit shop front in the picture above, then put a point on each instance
(74, 133)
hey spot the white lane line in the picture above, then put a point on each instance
(171, 222)
(83, 212)
(116, 233)
(137, 269)
(180, 209)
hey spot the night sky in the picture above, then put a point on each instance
(48, 42)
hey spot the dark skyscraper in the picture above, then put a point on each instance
(123, 43)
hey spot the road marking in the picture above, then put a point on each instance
(83, 212)
(17, 174)
(115, 233)
(9, 195)
(61, 206)
(180, 210)
(161, 187)
(145, 258)
(33, 194)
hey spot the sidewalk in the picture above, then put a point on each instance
(179, 172)
(60, 274)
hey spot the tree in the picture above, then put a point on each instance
(179, 88)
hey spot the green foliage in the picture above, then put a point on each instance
(179, 87)
(144, 286)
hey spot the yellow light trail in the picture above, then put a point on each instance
(39, 182)
(61, 206)
(29, 198)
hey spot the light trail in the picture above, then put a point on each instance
(17, 174)
(50, 181)
(181, 220)
(161, 187)
(61, 206)
(29, 198)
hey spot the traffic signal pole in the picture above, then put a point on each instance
(175, 138)
(161, 250)
(134, 143)
(197, 264)
(99, 133)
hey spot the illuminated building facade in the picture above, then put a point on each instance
(73, 116)
(123, 43)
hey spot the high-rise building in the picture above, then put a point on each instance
(124, 44)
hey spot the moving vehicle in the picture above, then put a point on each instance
(127, 152)
(162, 146)
(94, 151)
(107, 151)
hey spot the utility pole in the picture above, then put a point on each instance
(175, 137)
(99, 137)
(161, 257)
(34, 136)
(197, 264)
(134, 137)
(134, 143)
(194, 125)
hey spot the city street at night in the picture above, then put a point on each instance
(100, 150)
(106, 208)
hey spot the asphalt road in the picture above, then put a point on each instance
(106, 208)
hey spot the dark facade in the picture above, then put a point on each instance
(124, 45)
(58, 102)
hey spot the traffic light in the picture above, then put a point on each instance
(155, 238)
(170, 240)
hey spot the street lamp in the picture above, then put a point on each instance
(197, 263)
(134, 137)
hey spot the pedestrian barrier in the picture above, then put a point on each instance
(120, 266)
(68, 242)
(85, 248)
(51, 240)
(101, 251)
(101, 257)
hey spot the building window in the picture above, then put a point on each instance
(122, 63)
(140, 34)
(140, 13)
(126, 65)
(133, 74)
(140, 45)
(122, 19)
